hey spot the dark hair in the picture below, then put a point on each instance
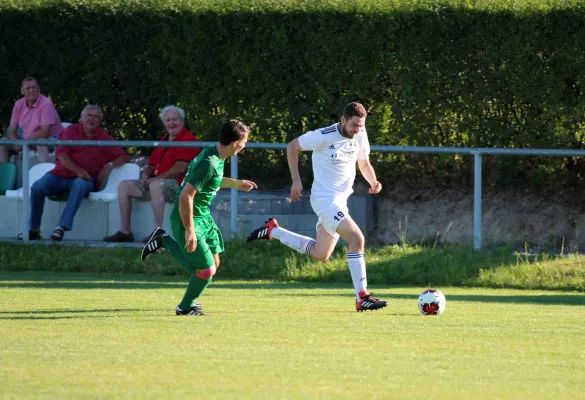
(354, 110)
(28, 79)
(232, 131)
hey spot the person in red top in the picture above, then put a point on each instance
(160, 178)
(78, 170)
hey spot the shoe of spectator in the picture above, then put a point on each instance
(120, 237)
(33, 234)
(58, 234)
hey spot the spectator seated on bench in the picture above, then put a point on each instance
(160, 178)
(78, 170)
(35, 116)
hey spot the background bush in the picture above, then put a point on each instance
(434, 73)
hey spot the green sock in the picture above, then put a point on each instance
(175, 249)
(195, 289)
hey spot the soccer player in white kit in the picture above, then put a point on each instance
(336, 149)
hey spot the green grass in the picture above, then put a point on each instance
(115, 336)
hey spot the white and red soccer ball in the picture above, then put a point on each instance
(431, 302)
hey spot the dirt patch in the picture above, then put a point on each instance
(512, 217)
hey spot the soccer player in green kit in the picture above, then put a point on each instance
(198, 240)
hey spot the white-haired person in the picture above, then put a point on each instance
(161, 178)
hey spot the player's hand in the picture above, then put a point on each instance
(375, 188)
(83, 174)
(190, 241)
(245, 186)
(296, 191)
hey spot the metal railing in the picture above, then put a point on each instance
(475, 152)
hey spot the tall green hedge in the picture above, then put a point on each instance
(432, 73)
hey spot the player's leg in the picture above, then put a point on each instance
(356, 262)
(271, 229)
(324, 245)
(209, 245)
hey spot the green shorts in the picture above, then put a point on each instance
(209, 242)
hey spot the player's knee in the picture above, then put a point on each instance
(319, 256)
(357, 241)
(205, 273)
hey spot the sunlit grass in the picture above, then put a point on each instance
(105, 336)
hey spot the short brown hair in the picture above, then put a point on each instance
(354, 109)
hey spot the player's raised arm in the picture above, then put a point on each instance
(292, 154)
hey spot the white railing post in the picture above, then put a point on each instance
(234, 199)
(25, 192)
(477, 201)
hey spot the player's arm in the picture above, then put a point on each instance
(240, 184)
(370, 175)
(292, 155)
(186, 212)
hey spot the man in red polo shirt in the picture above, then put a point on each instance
(78, 170)
(160, 178)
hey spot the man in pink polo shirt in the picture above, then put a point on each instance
(78, 170)
(36, 116)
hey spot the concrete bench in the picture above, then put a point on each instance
(96, 219)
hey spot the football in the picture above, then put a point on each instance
(431, 302)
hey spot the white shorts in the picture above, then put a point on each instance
(331, 211)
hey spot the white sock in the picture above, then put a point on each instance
(300, 243)
(357, 269)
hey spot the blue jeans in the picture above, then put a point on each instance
(53, 185)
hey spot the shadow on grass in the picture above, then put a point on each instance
(77, 311)
(79, 281)
(552, 299)
(28, 280)
(545, 299)
(81, 314)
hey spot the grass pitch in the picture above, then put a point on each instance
(116, 336)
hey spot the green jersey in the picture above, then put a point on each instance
(205, 173)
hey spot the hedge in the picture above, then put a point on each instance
(431, 73)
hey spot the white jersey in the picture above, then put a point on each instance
(334, 158)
